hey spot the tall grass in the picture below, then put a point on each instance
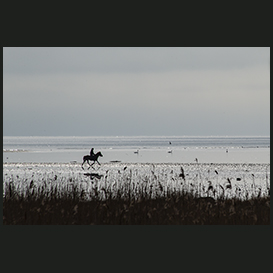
(129, 196)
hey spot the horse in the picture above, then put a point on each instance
(93, 157)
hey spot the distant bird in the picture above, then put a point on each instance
(136, 152)
(125, 168)
(170, 143)
(196, 160)
(170, 151)
(226, 150)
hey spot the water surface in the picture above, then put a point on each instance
(139, 149)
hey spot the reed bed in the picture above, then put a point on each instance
(137, 194)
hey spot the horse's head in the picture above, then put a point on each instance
(100, 154)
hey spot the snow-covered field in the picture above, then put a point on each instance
(204, 179)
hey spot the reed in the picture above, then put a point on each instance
(127, 197)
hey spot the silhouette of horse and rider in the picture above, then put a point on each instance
(92, 157)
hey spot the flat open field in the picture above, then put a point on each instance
(136, 193)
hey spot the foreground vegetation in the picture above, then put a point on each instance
(38, 205)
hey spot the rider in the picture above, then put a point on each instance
(92, 152)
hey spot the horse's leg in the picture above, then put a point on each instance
(91, 165)
(83, 163)
(88, 164)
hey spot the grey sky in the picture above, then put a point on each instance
(136, 91)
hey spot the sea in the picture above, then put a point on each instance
(137, 149)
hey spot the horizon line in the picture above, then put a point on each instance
(136, 135)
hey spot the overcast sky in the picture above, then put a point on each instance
(136, 91)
